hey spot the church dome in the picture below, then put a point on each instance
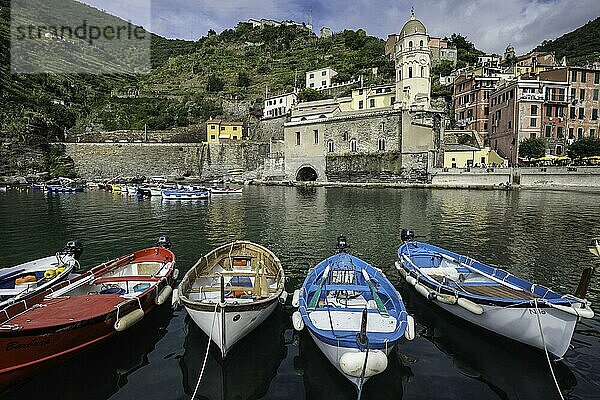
(413, 26)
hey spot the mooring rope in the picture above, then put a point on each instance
(207, 351)
(537, 312)
(362, 374)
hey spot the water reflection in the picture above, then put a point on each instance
(247, 371)
(323, 381)
(101, 370)
(510, 369)
(540, 235)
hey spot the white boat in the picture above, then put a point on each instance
(226, 190)
(25, 280)
(232, 290)
(353, 313)
(3, 189)
(155, 191)
(184, 194)
(493, 298)
(132, 190)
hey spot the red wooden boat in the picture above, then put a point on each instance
(75, 314)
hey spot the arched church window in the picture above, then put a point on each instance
(410, 44)
(410, 72)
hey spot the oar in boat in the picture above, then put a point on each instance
(585, 311)
(313, 302)
(470, 268)
(380, 306)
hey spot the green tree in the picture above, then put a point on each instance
(311, 95)
(584, 147)
(243, 79)
(215, 84)
(532, 148)
(444, 68)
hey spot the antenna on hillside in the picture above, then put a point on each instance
(310, 17)
(295, 81)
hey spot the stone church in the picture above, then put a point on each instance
(379, 133)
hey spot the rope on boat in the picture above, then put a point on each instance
(537, 313)
(364, 368)
(207, 351)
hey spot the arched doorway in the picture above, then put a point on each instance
(306, 174)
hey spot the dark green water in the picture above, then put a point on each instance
(539, 235)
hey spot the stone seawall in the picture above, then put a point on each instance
(102, 160)
(391, 166)
(534, 178)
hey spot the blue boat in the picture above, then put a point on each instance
(185, 194)
(492, 298)
(353, 313)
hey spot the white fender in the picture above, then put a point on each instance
(175, 274)
(585, 312)
(400, 269)
(470, 306)
(283, 297)
(351, 363)
(411, 280)
(422, 290)
(129, 320)
(445, 298)
(297, 321)
(409, 333)
(163, 295)
(296, 298)
(175, 298)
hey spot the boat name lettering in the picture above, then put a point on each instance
(533, 312)
(20, 346)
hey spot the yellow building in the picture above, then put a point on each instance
(218, 131)
(383, 96)
(462, 156)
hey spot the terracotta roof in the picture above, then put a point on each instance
(221, 122)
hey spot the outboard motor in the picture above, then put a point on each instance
(73, 248)
(164, 241)
(342, 244)
(407, 235)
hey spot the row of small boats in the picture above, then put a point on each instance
(175, 192)
(351, 310)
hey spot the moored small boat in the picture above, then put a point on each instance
(225, 190)
(232, 290)
(77, 313)
(25, 280)
(492, 298)
(353, 313)
(63, 189)
(184, 194)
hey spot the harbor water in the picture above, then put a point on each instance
(539, 235)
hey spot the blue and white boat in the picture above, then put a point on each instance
(353, 313)
(24, 280)
(493, 298)
(185, 194)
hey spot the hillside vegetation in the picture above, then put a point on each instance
(582, 46)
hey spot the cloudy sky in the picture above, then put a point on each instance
(490, 24)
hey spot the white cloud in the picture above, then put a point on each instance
(490, 24)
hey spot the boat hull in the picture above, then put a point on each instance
(76, 314)
(518, 322)
(184, 195)
(231, 323)
(334, 355)
(521, 324)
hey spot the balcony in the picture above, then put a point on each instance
(556, 98)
